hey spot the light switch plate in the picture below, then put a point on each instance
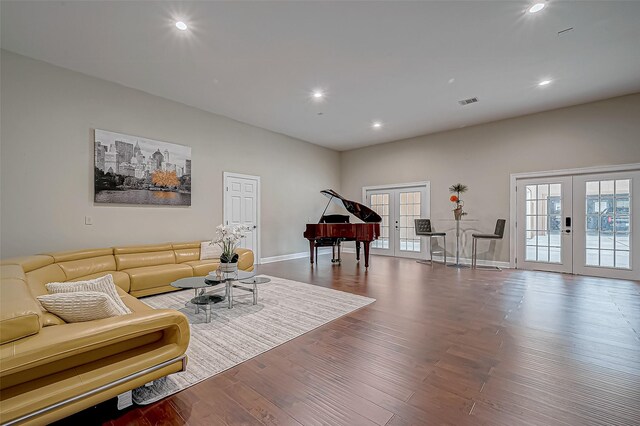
(88, 220)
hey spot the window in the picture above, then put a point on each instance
(608, 219)
(543, 223)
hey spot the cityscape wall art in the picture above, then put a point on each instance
(136, 170)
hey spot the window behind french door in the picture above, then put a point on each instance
(584, 224)
(399, 207)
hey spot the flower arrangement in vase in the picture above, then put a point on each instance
(228, 238)
(456, 190)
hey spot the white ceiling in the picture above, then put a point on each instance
(257, 62)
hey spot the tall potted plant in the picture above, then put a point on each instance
(458, 189)
(228, 238)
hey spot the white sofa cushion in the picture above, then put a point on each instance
(80, 306)
(209, 251)
(103, 284)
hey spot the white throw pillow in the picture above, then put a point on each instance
(209, 251)
(80, 306)
(102, 284)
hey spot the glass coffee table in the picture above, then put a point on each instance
(199, 286)
(231, 281)
(252, 281)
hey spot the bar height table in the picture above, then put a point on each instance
(457, 264)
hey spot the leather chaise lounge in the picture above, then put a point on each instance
(50, 369)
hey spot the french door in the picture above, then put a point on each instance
(398, 207)
(584, 224)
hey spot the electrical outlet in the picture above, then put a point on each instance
(88, 220)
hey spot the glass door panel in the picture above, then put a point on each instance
(380, 202)
(410, 203)
(604, 233)
(543, 233)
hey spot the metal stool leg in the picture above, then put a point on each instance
(444, 249)
(431, 249)
(473, 253)
(430, 245)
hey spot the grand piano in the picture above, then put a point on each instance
(328, 230)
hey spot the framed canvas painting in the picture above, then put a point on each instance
(136, 170)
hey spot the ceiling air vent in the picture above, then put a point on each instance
(468, 101)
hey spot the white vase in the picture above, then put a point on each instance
(229, 267)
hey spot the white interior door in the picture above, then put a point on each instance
(544, 224)
(606, 233)
(399, 207)
(241, 206)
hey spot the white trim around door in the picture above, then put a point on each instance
(577, 173)
(225, 215)
(398, 204)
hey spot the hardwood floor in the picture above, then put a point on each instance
(439, 346)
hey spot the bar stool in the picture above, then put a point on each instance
(423, 228)
(497, 235)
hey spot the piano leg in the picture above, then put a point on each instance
(358, 250)
(366, 253)
(311, 250)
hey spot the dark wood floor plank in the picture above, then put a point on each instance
(333, 390)
(323, 406)
(259, 406)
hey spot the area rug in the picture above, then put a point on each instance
(286, 309)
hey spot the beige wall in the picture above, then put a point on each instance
(46, 169)
(483, 157)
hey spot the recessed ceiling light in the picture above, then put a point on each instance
(544, 82)
(536, 7)
(181, 26)
(318, 94)
(376, 125)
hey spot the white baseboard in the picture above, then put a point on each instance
(480, 262)
(437, 258)
(292, 256)
(450, 259)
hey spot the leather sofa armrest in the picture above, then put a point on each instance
(56, 343)
(19, 311)
(245, 259)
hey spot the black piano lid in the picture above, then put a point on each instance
(360, 211)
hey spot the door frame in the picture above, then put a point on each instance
(422, 184)
(225, 176)
(514, 177)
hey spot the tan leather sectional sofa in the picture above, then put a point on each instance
(50, 369)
